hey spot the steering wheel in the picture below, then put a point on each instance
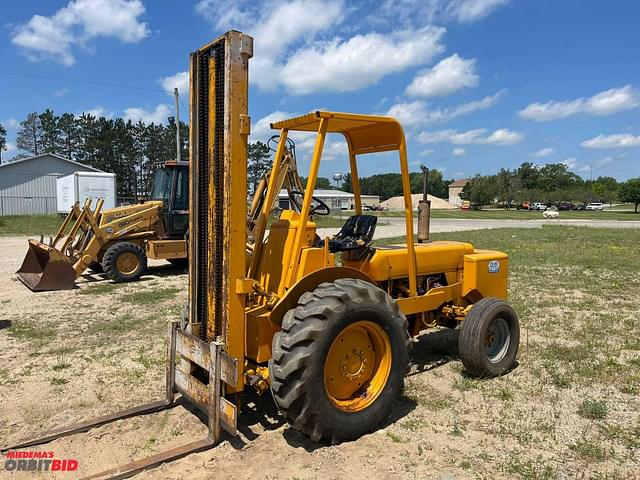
(321, 208)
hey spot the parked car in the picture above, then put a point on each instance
(538, 206)
(580, 207)
(595, 206)
(524, 206)
(566, 206)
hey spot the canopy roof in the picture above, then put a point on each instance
(364, 133)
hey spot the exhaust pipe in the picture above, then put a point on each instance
(424, 209)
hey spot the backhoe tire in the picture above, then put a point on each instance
(124, 262)
(340, 359)
(489, 338)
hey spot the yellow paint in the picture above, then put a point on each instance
(432, 258)
(480, 275)
(357, 366)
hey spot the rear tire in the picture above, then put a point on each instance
(489, 338)
(340, 359)
(124, 262)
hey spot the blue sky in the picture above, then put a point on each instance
(478, 84)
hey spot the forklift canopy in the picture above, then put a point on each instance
(364, 133)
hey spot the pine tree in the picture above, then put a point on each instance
(3, 141)
(68, 128)
(259, 162)
(29, 136)
(50, 132)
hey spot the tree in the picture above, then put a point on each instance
(435, 185)
(29, 136)
(3, 141)
(630, 192)
(67, 136)
(50, 140)
(322, 183)
(259, 162)
(480, 190)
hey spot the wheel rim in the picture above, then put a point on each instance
(357, 366)
(127, 263)
(497, 339)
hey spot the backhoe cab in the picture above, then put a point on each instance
(117, 241)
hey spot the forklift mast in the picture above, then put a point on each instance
(219, 127)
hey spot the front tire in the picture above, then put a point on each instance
(339, 361)
(489, 338)
(124, 262)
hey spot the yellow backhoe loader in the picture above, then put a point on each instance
(325, 324)
(117, 241)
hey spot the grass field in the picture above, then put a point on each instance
(570, 409)
(30, 225)
(522, 214)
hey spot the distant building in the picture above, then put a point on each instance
(28, 186)
(454, 191)
(335, 199)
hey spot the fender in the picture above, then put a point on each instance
(309, 283)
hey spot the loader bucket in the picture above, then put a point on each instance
(45, 268)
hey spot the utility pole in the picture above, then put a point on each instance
(178, 149)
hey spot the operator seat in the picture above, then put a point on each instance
(356, 233)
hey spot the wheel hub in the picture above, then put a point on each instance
(497, 339)
(357, 365)
(127, 263)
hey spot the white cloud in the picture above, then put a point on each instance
(10, 147)
(61, 92)
(427, 152)
(570, 163)
(459, 152)
(619, 140)
(468, 11)
(410, 113)
(604, 161)
(360, 61)
(10, 123)
(97, 112)
(544, 152)
(157, 116)
(416, 113)
(502, 136)
(604, 103)
(290, 54)
(446, 77)
(74, 25)
(179, 80)
(261, 130)
(439, 11)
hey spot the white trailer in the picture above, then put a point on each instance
(79, 186)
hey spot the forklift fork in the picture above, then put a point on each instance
(209, 398)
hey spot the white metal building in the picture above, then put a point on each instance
(335, 199)
(28, 186)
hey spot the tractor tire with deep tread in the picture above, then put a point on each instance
(489, 338)
(301, 350)
(124, 262)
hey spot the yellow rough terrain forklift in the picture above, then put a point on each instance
(117, 241)
(324, 323)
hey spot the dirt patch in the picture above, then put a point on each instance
(570, 406)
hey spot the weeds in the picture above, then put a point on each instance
(593, 409)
